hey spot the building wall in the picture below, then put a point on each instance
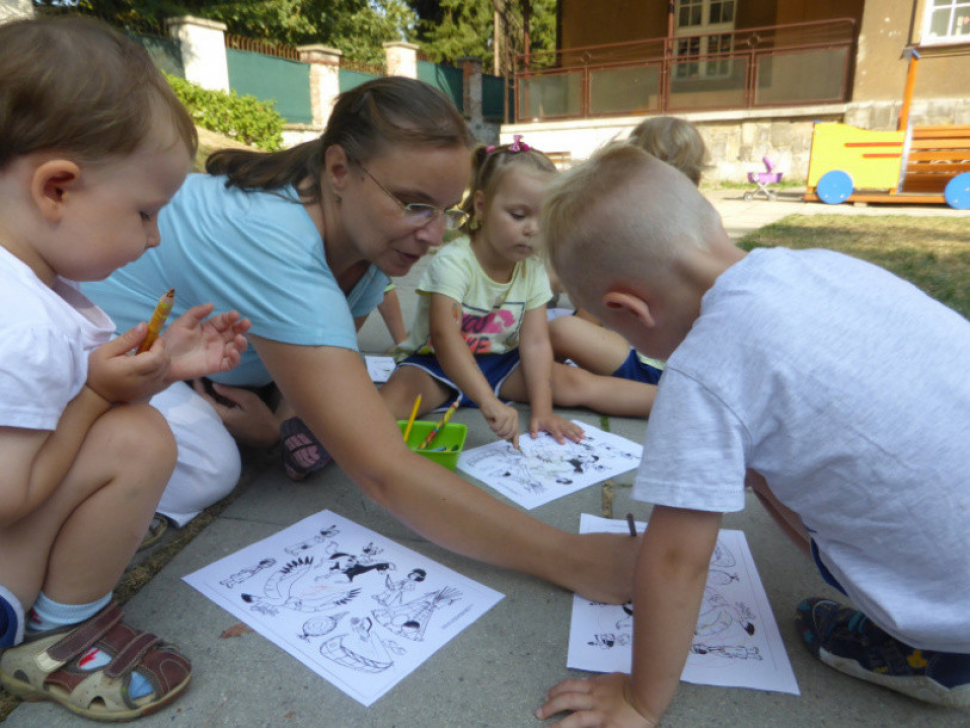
(585, 23)
(942, 77)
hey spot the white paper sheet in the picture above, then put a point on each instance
(736, 642)
(545, 470)
(356, 608)
(379, 367)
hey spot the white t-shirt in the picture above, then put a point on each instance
(847, 389)
(45, 338)
(492, 312)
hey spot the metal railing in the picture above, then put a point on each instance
(781, 65)
(280, 50)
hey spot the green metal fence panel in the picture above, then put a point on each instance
(447, 79)
(166, 52)
(493, 96)
(347, 79)
(273, 79)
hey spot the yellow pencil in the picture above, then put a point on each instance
(162, 310)
(439, 424)
(414, 413)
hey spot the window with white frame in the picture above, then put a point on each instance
(692, 17)
(946, 21)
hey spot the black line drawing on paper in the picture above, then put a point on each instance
(542, 469)
(247, 573)
(325, 534)
(718, 616)
(346, 567)
(608, 640)
(361, 649)
(734, 652)
(320, 626)
(411, 620)
(721, 561)
(296, 587)
(394, 590)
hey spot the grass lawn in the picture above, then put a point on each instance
(933, 253)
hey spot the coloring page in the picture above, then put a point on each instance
(736, 641)
(544, 470)
(356, 608)
(379, 367)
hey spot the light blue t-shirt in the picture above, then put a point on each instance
(256, 252)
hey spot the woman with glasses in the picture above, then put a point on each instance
(302, 242)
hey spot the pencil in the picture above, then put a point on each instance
(631, 524)
(414, 413)
(440, 423)
(157, 321)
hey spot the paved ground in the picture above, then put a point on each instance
(495, 673)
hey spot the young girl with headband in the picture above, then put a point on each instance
(480, 331)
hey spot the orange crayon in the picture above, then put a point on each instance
(157, 321)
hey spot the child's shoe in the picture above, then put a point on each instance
(302, 452)
(91, 668)
(847, 640)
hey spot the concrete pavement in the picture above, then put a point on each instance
(493, 674)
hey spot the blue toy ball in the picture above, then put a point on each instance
(834, 187)
(957, 192)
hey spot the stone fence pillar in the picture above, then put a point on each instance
(203, 44)
(401, 59)
(324, 79)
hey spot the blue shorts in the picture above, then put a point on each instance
(636, 371)
(12, 616)
(827, 575)
(495, 367)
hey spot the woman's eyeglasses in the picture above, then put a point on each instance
(420, 214)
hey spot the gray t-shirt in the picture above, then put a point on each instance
(847, 389)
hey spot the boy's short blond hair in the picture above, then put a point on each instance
(623, 216)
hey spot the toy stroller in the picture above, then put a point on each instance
(763, 179)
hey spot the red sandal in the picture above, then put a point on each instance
(49, 666)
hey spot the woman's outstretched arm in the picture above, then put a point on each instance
(331, 392)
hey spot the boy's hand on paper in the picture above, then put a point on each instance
(117, 377)
(559, 427)
(198, 345)
(248, 419)
(503, 419)
(603, 701)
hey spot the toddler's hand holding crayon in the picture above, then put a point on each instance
(503, 419)
(117, 377)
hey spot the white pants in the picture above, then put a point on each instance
(208, 465)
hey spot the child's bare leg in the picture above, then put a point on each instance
(785, 517)
(591, 346)
(405, 384)
(76, 546)
(572, 387)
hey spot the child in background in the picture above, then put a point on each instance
(482, 312)
(89, 153)
(580, 337)
(390, 310)
(789, 370)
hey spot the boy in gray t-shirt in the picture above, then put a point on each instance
(791, 373)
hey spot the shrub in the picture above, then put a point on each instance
(243, 118)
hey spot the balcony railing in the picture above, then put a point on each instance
(782, 65)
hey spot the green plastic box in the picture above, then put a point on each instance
(451, 437)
